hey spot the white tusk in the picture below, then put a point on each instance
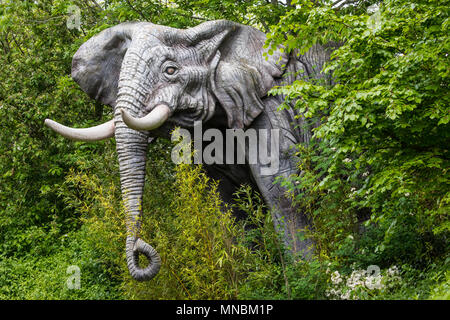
(100, 132)
(151, 121)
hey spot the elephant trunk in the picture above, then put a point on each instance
(131, 149)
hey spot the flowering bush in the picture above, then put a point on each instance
(362, 284)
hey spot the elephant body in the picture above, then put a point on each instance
(157, 78)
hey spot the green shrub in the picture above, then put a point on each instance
(45, 277)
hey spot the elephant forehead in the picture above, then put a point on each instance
(153, 47)
(153, 55)
(189, 55)
(185, 56)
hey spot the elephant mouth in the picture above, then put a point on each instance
(185, 115)
(188, 117)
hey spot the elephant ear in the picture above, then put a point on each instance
(97, 63)
(242, 75)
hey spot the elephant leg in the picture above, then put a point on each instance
(287, 219)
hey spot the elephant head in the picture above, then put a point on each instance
(152, 75)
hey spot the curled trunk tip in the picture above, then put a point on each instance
(136, 246)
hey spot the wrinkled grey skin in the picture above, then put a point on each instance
(222, 79)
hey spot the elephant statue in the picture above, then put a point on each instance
(157, 78)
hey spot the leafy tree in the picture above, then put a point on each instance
(382, 145)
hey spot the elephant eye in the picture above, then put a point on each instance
(170, 70)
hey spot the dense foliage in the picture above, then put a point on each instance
(381, 151)
(374, 178)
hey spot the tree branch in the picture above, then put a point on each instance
(44, 20)
(136, 10)
(17, 44)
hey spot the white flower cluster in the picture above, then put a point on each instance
(361, 282)
(393, 274)
(336, 277)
